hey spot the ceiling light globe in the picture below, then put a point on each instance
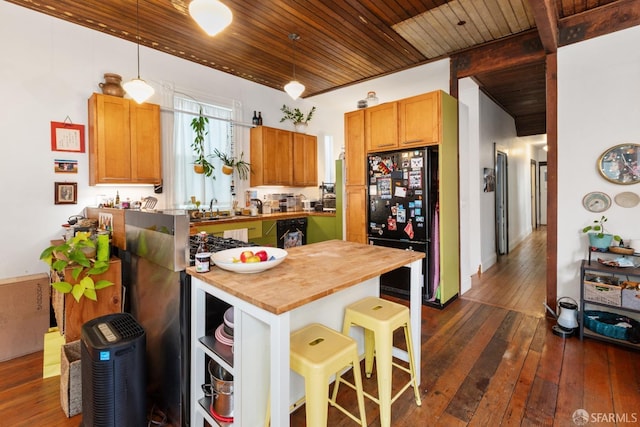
(211, 15)
(294, 88)
(139, 90)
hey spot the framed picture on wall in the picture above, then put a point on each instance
(66, 193)
(489, 180)
(67, 137)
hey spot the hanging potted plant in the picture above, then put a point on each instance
(230, 163)
(199, 125)
(598, 237)
(299, 119)
(78, 253)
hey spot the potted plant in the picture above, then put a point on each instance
(199, 126)
(230, 163)
(77, 253)
(299, 119)
(598, 237)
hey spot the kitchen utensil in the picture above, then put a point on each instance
(220, 390)
(149, 203)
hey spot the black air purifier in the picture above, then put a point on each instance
(113, 372)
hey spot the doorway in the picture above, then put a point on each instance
(542, 188)
(534, 195)
(502, 203)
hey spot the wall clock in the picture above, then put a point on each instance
(620, 164)
(596, 201)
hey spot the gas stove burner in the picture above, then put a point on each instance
(214, 244)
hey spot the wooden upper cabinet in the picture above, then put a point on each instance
(355, 149)
(381, 127)
(419, 120)
(305, 160)
(271, 156)
(124, 141)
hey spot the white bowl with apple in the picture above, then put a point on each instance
(253, 259)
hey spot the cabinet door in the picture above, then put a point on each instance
(356, 213)
(124, 141)
(355, 151)
(271, 156)
(305, 160)
(146, 157)
(419, 119)
(381, 127)
(109, 140)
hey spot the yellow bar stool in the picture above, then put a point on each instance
(380, 318)
(317, 353)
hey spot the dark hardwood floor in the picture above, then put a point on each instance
(488, 359)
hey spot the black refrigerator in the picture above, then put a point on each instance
(402, 213)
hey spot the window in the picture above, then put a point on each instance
(220, 135)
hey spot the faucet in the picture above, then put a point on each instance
(259, 203)
(214, 200)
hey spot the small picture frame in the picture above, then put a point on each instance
(67, 137)
(66, 193)
(489, 180)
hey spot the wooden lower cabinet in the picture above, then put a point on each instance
(71, 315)
(356, 213)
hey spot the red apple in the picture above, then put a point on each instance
(262, 254)
(245, 255)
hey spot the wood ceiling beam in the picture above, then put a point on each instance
(545, 14)
(600, 21)
(520, 49)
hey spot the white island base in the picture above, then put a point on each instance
(260, 362)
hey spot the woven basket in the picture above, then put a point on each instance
(603, 293)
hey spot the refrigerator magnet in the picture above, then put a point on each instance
(391, 224)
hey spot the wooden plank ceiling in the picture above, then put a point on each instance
(343, 42)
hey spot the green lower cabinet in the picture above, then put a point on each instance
(269, 235)
(321, 228)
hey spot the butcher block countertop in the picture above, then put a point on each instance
(309, 273)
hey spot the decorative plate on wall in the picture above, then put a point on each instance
(627, 199)
(620, 164)
(596, 201)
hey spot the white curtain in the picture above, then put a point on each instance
(221, 136)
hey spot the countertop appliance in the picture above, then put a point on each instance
(328, 196)
(403, 195)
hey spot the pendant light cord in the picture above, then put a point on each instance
(138, 33)
(294, 37)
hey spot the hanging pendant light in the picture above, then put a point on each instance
(294, 88)
(138, 89)
(211, 15)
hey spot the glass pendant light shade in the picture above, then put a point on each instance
(294, 88)
(138, 89)
(211, 15)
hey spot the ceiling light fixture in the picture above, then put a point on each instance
(138, 89)
(294, 88)
(211, 15)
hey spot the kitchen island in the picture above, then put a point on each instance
(313, 284)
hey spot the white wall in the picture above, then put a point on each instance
(598, 107)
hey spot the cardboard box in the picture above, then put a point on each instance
(24, 314)
(71, 379)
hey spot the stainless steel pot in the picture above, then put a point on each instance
(220, 390)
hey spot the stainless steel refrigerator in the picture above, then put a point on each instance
(402, 213)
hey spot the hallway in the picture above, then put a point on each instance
(518, 281)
